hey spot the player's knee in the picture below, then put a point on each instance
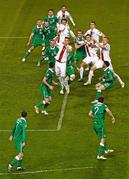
(72, 77)
(47, 101)
(20, 155)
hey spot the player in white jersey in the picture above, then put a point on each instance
(104, 56)
(91, 57)
(60, 65)
(64, 14)
(95, 33)
(64, 30)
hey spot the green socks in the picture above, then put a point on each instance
(16, 161)
(101, 149)
(40, 104)
(27, 54)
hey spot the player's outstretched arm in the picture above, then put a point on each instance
(111, 115)
(71, 19)
(30, 38)
(45, 82)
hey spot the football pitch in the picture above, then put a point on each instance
(63, 144)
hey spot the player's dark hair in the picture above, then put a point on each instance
(101, 99)
(63, 6)
(67, 38)
(88, 35)
(24, 114)
(63, 19)
(52, 40)
(50, 10)
(93, 22)
(51, 64)
(106, 63)
(80, 31)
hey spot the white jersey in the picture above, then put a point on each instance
(90, 51)
(105, 53)
(65, 15)
(64, 31)
(95, 34)
(62, 54)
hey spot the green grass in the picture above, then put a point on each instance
(76, 144)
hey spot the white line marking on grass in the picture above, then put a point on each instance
(13, 37)
(34, 130)
(59, 125)
(48, 170)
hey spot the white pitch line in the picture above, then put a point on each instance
(48, 170)
(13, 37)
(33, 130)
(59, 125)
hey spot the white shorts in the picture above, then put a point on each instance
(60, 69)
(99, 64)
(89, 59)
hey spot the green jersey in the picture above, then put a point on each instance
(49, 75)
(18, 131)
(71, 61)
(51, 52)
(38, 33)
(98, 111)
(53, 20)
(80, 41)
(49, 33)
(108, 75)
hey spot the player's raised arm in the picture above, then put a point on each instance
(71, 19)
(110, 114)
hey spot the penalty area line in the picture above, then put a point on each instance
(13, 37)
(49, 170)
(59, 125)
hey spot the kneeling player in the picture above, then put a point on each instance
(46, 88)
(107, 81)
(98, 114)
(18, 135)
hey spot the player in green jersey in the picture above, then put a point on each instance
(35, 39)
(46, 90)
(53, 20)
(107, 81)
(70, 66)
(80, 52)
(49, 33)
(18, 135)
(98, 114)
(50, 53)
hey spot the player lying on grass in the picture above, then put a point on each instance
(63, 13)
(50, 53)
(80, 52)
(97, 113)
(60, 65)
(91, 55)
(46, 90)
(18, 136)
(35, 39)
(51, 18)
(63, 30)
(107, 81)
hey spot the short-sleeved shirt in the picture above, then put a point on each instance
(38, 32)
(52, 20)
(108, 75)
(95, 34)
(51, 53)
(49, 32)
(49, 75)
(98, 111)
(80, 41)
(19, 130)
